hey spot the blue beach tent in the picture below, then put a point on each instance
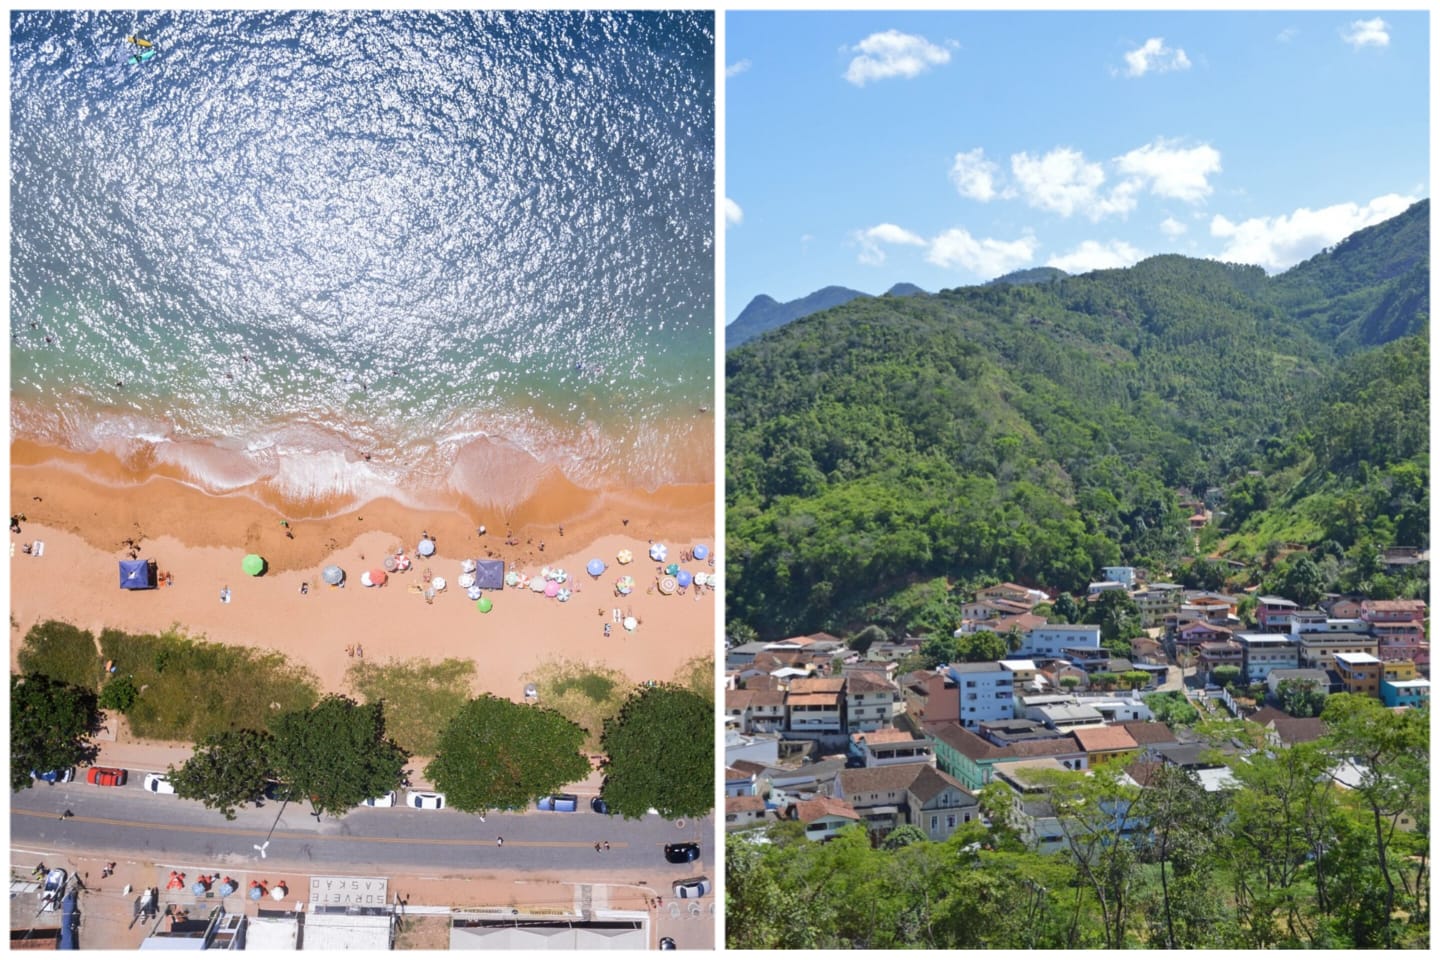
(137, 574)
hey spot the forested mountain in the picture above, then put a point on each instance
(1032, 275)
(905, 290)
(765, 313)
(886, 450)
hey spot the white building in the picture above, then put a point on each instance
(1121, 575)
(987, 692)
(1047, 642)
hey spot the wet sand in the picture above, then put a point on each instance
(91, 508)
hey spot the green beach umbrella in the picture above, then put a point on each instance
(252, 564)
(484, 605)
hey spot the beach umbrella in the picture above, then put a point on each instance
(561, 575)
(256, 891)
(552, 588)
(667, 585)
(197, 888)
(658, 553)
(701, 551)
(227, 888)
(512, 578)
(624, 556)
(595, 567)
(624, 585)
(426, 548)
(438, 584)
(389, 564)
(683, 578)
(473, 593)
(630, 623)
(672, 568)
(378, 577)
(365, 580)
(484, 605)
(252, 564)
(547, 573)
(279, 893)
(467, 566)
(562, 595)
(465, 581)
(537, 585)
(333, 575)
(701, 579)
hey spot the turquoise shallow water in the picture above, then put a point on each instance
(448, 241)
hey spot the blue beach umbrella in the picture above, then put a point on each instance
(683, 578)
(426, 548)
(701, 551)
(595, 567)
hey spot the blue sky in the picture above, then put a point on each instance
(948, 148)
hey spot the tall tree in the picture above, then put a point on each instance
(50, 726)
(660, 753)
(336, 754)
(227, 770)
(500, 755)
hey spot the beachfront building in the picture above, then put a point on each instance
(1263, 652)
(987, 691)
(1048, 642)
(1359, 673)
(756, 711)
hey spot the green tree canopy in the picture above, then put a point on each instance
(336, 754)
(227, 770)
(661, 754)
(50, 726)
(501, 755)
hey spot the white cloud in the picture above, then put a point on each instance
(1366, 33)
(893, 54)
(1288, 34)
(1172, 171)
(1154, 55)
(1093, 255)
(973, 175)
(1277, 243)
(1172, 227)
(989, 258)
(870, 240)
(1063, 182)
(733, 214)
(735, 69)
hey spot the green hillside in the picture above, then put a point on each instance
(1036, 432)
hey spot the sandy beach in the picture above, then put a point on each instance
(85, 507)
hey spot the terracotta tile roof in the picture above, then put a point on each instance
(1389, 606)
(1293, 730)
(1141, 771)
(817, 685)
(1145, 732)
(747, 699)
(732, 773)
(978, 748)
(744, 804)
(885, 735)
(1104, 739)
(813, 700)
(931, 782)
(861, 682)
(748, 767)
(808, 811)
(893, 777)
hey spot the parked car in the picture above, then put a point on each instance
(55, 776)
(385, 800)
(158, 783)
(666, 943)
(107, 776)
(560, 802)
(425, 801)
(682, 852)
(598, 805)
(692, 888)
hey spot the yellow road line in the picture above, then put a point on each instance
(311, 837)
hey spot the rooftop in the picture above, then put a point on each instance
(1104, 739)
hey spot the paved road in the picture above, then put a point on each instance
(168, 829)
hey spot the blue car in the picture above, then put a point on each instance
(55, 776)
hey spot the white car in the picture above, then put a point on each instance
(426, 801)
(692, 888)
(158, 783)
(386, 800)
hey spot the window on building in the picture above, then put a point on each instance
(934, 823)
(950, 821)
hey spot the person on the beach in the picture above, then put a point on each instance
(14, 523)
(304, 587)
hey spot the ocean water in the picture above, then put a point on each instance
(340, 254)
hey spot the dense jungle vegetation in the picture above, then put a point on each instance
(885, 454)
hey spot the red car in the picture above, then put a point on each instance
(106, 776)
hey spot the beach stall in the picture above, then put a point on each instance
(490, 575)
(137, 574)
